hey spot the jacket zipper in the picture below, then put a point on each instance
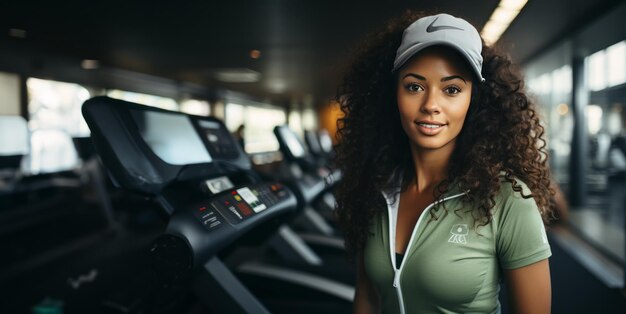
(392, 241)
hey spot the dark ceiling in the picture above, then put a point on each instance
(304, 44)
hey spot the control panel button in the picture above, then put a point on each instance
(238, 205)
(209, 217)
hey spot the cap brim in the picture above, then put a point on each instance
(413, 50)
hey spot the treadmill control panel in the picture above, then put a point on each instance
(237, 205)
(220, 142)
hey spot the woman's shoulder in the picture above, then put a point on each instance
(512, 188)
(513, 195)
(514, 199)
(520, 232)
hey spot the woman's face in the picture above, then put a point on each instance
(433, 93)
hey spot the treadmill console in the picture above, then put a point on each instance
(237, 205)
(196, 171)
(212, 222)
(218, 139)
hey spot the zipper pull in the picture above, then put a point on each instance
(396, 278)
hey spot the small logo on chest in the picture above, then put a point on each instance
(459, 234)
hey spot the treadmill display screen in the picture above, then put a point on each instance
(326, 143)
(171, 137)
(218, 184)
(293, 143)
(312, 140)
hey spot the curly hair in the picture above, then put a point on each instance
(501, 137)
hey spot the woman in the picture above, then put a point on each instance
(446, 187)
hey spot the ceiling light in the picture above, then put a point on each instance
(17, 33)
(88, 64)
(255, 54)
(277, 86)
(237, 75)
(500, 19)
(492, 31)
(516, 5)
(504, 16)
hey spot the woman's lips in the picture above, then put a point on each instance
(429, 128)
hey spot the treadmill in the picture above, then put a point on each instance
(215, 206)
(302, 164)
(320, 146)
(193, 168)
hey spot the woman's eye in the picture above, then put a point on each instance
(452, 90)
(412, 87)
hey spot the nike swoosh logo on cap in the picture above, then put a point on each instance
(431, 28)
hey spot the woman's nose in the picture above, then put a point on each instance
(430, 104)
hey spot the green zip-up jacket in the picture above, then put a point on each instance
(450, 265)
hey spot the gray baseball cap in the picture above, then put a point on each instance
(441, 29)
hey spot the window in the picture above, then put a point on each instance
(616, 59)
(145, 99)
(562, 80)
(541, 85)
(259, 134)
(596, 79)
(607, 68)
(553, 94)
(295, 123)
(234, 116)
(259, 121)
(603, 201)
(309, 119)
(195, 107)
(10, 94)
(55, 117)
(594, 119)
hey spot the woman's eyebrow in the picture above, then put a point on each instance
(417, 76)
(448, 78)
